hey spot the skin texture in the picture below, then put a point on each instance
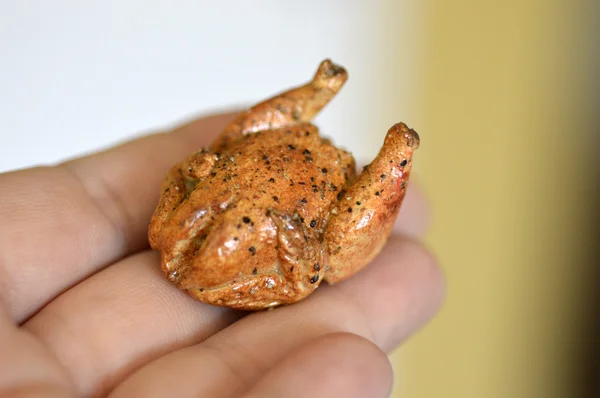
(89, 313)
(272, 209)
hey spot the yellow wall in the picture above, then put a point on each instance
(506, 113)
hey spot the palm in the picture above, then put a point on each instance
(86, 310)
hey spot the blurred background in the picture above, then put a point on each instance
(505, 96)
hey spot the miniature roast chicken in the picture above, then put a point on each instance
(272, 209)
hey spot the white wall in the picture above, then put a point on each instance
(76, 75)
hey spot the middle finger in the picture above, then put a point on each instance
(383, 303)
(120, 319)
(128, 314)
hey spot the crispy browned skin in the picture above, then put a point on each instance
(300, 104)
(273, 209)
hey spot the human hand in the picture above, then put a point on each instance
(86, 311)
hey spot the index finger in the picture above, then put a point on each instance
(61, 224)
